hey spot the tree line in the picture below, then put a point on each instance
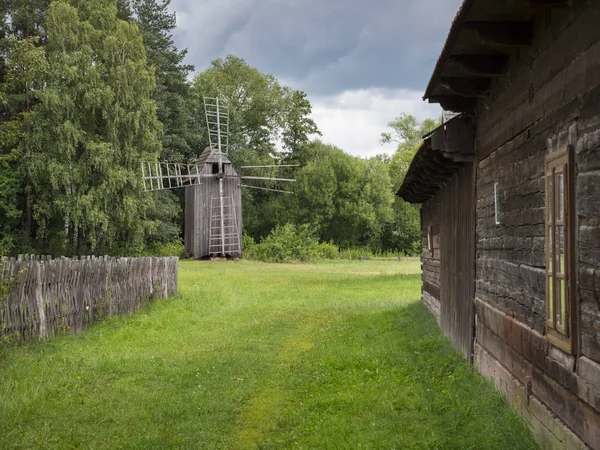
(90, 88)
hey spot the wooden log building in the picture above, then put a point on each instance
(202, 209)
(511, 207)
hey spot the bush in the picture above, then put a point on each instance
(289, 243)
(174, 248)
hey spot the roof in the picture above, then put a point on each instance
(485, 35)
(482, 39)
(443, 152)
(210, 155)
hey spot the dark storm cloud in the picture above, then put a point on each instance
(321, 46)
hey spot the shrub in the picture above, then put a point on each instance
(174, 248)
(289, 243)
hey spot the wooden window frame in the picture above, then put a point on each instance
(563, 333)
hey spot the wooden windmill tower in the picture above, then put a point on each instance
(213, 199)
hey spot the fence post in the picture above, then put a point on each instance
(40, 298)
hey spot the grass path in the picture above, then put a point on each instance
(336, 355)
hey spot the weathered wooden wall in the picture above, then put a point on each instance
(550, 98)
(457, 238)
(43, 297)
(198, 204)
(430, 258)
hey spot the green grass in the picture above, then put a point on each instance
(337, 355)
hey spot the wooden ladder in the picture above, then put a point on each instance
(229, 242)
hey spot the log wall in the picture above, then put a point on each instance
(430, 258)
(550, 98)
(43, 297)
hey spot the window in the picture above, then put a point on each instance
(215, 168)
(497, 203)
(560, 298)
(429, 240)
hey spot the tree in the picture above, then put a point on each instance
(257, 106)
(94, 122)
(124, 11)
(24, 67)
(407, 131)
(177, 107)
(298, 126)
(346, 199)
(21, 33)
(403, 232)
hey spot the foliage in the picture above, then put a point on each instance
(404, 231)
(177, 106)
(124, 11)
(174, 248)
(21, 62)
(254, 355)
(176, 103)
(161, 212)
(94, 123)
(289, 243)
(298, 126)
(407, 131)
(346, 199)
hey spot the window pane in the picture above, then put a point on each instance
(563, 302)
(559, 292)
(560, 249)
(550, 196)
(560, 193)
(550, 251)
(550, 314)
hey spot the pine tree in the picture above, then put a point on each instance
(174, 98)
(298, 126)
(94, 124)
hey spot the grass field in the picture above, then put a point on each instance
(337, 355)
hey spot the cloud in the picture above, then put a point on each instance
(361, 63)
(324, 47)
(354, 120)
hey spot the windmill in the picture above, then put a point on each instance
(213, 200)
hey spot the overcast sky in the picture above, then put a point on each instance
(361, 62)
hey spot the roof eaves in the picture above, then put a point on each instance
(457, 23)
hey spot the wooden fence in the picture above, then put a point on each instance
(42, 297)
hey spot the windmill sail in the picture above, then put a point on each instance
(158, 176)
(217, 123)
(224, 231)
